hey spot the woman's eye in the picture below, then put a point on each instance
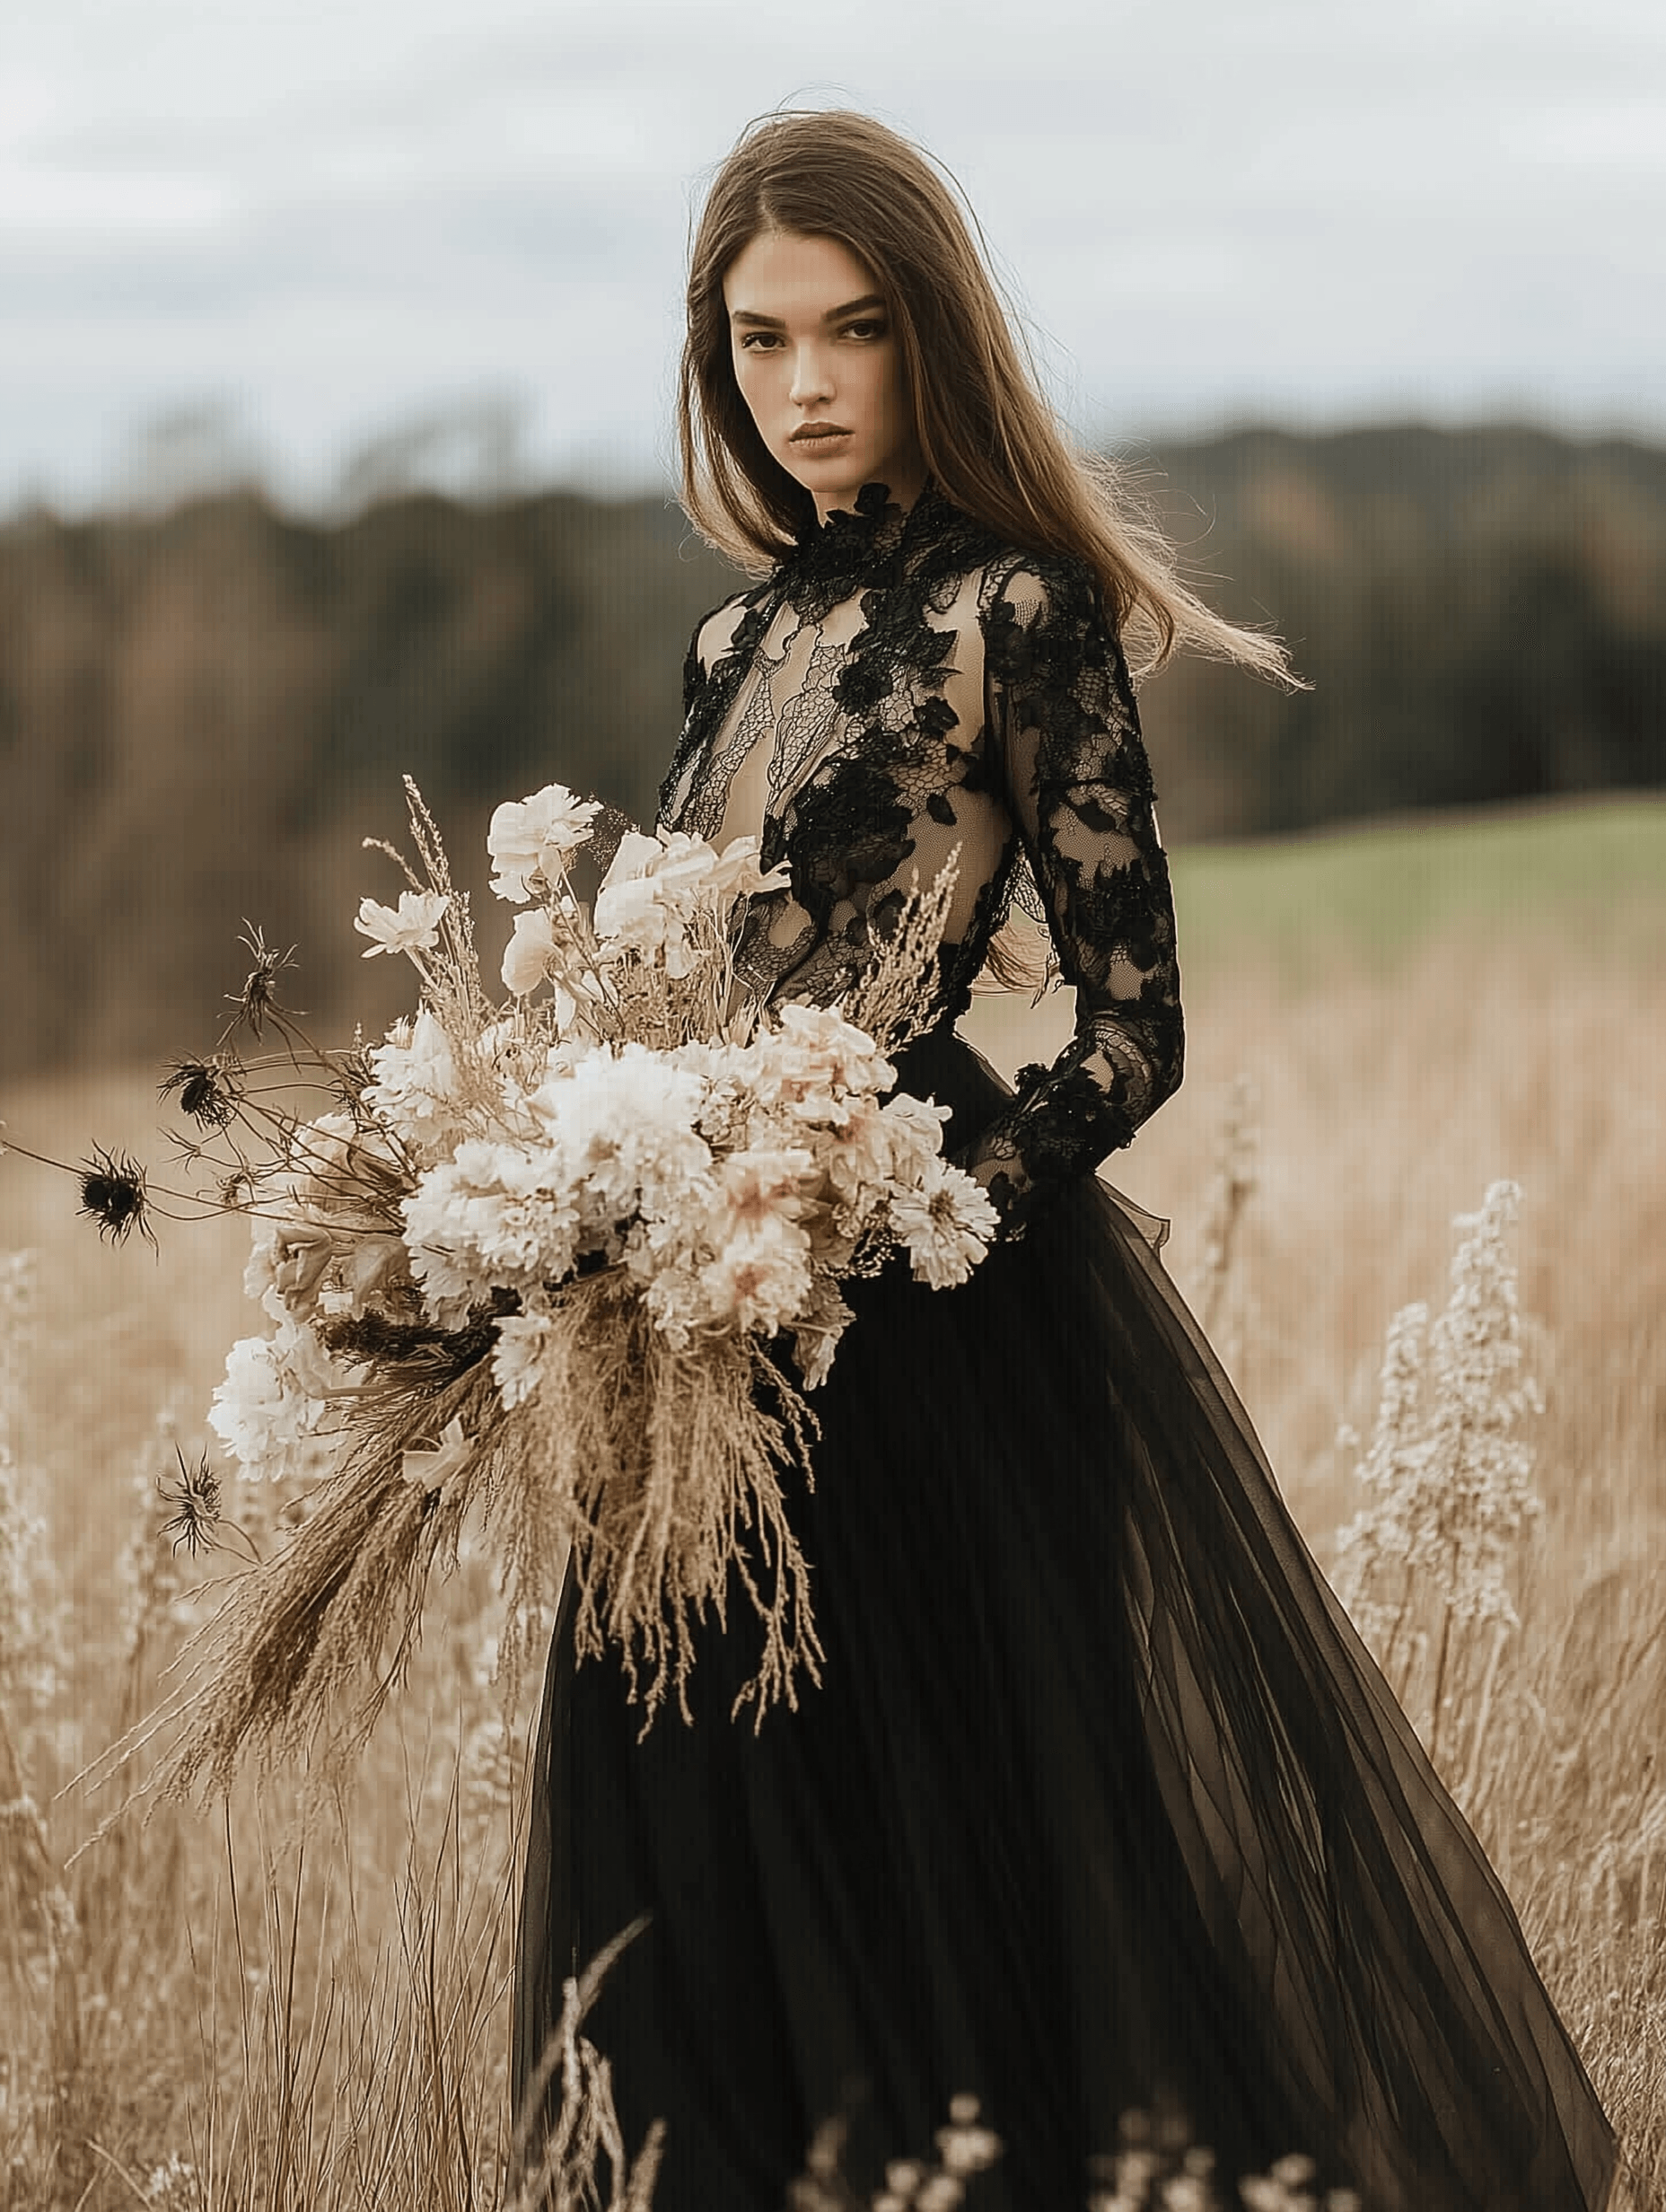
(865, 330)
(759, 342)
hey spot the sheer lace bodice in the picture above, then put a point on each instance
(905, 689)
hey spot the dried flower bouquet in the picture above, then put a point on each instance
(567, 1263)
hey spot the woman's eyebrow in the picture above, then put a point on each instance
(834, 315)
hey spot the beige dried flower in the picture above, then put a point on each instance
(1450, 1478)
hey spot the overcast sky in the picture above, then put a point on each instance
(328, 216)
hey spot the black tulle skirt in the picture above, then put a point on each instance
(1100, 1804)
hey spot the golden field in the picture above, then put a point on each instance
(301, 2002)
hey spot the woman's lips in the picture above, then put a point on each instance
(819, 434)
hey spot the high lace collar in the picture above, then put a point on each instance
(855, 547)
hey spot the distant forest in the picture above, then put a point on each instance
(203, 712)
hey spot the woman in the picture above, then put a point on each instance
(1100, 1803)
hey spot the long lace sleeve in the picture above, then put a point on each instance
(1066, 737)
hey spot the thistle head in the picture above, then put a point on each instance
(113, 1194)
(258, 999)
(196, 1500)
(208, 1091)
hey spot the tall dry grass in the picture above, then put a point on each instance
(292, 2004)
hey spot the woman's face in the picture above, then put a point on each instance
(819, 366)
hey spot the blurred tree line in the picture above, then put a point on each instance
(204, 711)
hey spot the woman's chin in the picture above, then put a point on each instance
(829, 486)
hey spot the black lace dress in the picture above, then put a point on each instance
(1101, 1803)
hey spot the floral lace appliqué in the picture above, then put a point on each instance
(956, 698)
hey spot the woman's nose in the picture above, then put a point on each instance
(813, 376)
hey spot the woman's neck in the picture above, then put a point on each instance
(903, 482)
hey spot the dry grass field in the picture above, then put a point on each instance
(299, 2001)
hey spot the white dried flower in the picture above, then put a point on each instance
(451, 1453)
(1449, 1477)
(677, 1303)
(531, 954)
(658, 885)
(965, 2145)
(273, 1408)
(175, 2187)
(411, 927)
(516, 1359)
(858, 1154)
(32, 1629)
(416, 1086)
(946, 1222)
(1394, 1466)
(626, 1127)
(1184, 2192)
(812, 1060)
(531, 840)
(761, 1281)
(761, 1185)
(487, 1772)
(911, 1129)
(493, 1214)
(1136, 2170)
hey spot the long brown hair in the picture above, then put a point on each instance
(985, 433)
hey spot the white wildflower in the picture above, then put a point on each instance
(656, 887)
(516, 1356)
(870, 1148)
(411, 927)
(678, 1302)
(416, 1084)
(27, 1672)
(172, 2188)
(946, 1223)
(487, 1770)
(645, 907)
(531, 840)
(274, 1406)
(912, 1127)
(530, 953)
(537, 953)
(320, 1235)
(366, 1268)
(858, 1155)
(812, 1059)
(628, 1127)
(1479, 1397)
(1395, 1469)
(762, 1281)
(451, 1453)
(757, 1187)
(495, 1213)
(32, 1626)
(966, 2146)
(302, 1253)
(1450, 1477)
(1187, 2193)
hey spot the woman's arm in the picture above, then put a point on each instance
(1065, 736)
